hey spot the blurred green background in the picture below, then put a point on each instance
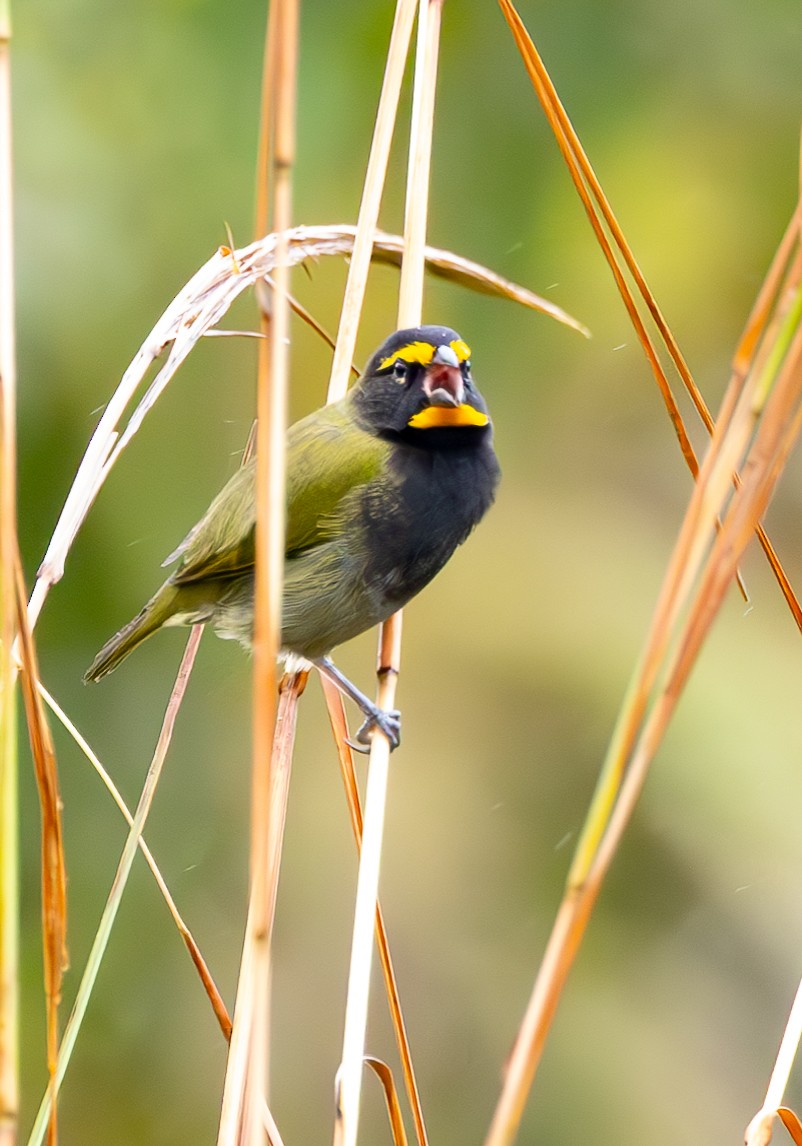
(136, 129)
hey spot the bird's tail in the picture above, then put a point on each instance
(158, 610)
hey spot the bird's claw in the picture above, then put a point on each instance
(387, 721)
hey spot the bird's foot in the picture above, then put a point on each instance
(387, 721)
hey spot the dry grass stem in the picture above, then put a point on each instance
(759, 1130)
(263, 295)
(15, 628)
(9, 836)
(270, 1127)
(356, 1015)
(264, 158)
(336, 711)
(215, 998)
(108, 916)
(409, 314)
(385, 1077)
(587, 188)
(235, 1094)
(241, 1122)
(53, 875)
(760, 421)
(410, 291)
(371, 198)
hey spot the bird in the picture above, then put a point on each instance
(382, 487)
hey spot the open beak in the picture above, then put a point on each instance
(442, 383)
(444, 388)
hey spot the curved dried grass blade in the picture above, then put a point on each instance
(791, 1123)
(447, 265)
(196, 309)
(385, 1077)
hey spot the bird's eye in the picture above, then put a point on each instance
(400, 370)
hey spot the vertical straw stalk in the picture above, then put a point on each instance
(9, 893)
(246, 1075)
(350, 1077)
(371, 198)
(409, 314)
(336, 710)
(54, 876)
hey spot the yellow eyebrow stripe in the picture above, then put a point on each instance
(423, 353)
(461, 349)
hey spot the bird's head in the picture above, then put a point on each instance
(419, 384)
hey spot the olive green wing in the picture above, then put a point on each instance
(328, 456)
(221, 544)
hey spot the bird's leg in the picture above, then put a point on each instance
(388, 721)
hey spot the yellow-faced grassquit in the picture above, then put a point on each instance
(381, 489)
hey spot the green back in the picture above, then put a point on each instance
(328, 456)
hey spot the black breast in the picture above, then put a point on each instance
(424, 508)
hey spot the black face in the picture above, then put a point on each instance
(418, 385)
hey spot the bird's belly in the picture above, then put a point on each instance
(326, 600)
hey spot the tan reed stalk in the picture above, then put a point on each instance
(758, 1132)
(9, 837)
(692, 592)
(234, 1091)
(336, 710)
(238, 1077)
(371, 198)
(54, 876)
(15, 628)
(241, 1119)
(264, 159)
(409, 314)
(385, 1077)
(343, 356)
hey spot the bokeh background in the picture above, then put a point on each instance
(136, 129)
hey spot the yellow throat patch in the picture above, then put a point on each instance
(435, 416)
